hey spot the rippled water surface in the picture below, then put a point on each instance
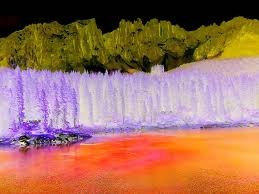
(199, 161)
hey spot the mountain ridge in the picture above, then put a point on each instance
(133, 46)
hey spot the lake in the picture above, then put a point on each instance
(167, 161)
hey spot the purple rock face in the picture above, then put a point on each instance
(198, 94)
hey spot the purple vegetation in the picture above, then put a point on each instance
(207, 93)
(20, 100)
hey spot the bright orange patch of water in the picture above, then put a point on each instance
(215, 161)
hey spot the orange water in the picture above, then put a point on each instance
(215, 161)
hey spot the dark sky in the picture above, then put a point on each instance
(189, 14)
(107, 23)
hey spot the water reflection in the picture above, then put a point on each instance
(179, 161)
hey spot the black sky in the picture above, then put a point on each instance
(189, 14)
(106, 23)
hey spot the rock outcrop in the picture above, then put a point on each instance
(133, 46)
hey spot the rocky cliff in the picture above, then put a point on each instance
(133, 46)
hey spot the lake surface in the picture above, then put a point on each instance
(193, 161)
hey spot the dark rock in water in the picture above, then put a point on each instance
(57, 141)
(207, 126)
(41, 140)
(46, 139)
(24, 138)
(68, 138)
(23, 143)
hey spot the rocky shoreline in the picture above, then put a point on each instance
(42, 140)
(59, 138)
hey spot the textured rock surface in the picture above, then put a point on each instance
(132, 47)
(39, 140)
